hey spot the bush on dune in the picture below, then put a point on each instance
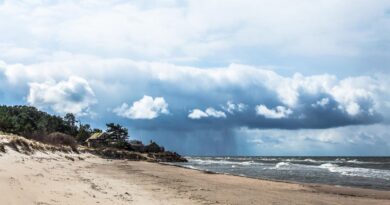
(2, 148)
(58, 138)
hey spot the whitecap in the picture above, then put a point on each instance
(221, 162)
(282, 165)
(309, 160)
(354, 171)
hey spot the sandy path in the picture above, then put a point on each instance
(55, 179)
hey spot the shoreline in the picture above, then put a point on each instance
(325, 188)
(372, 174)
(61, 178)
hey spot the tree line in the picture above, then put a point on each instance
(34, 124)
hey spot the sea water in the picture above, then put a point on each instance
(364, 172)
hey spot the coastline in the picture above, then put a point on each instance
(319, 186)
(58, 178)
(324, 188)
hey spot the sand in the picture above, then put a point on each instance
(58, 178)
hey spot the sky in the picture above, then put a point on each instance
(208, 77)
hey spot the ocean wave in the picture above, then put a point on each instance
(354, 171)
(269, 159)
(355, 161)
(282, 165)
(222, 162)
(306, 161)
(331, 167)
(310, 160)
(191, 167)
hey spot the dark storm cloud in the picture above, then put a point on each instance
(305, 116)
(160, 97)
(216, 136)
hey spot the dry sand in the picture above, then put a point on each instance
(59, 178)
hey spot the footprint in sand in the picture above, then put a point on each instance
(68, 195)
(125, 197)
(39, 175)
(41, 203)
(13, 182)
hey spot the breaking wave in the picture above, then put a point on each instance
(223, 162)
(368, 172)
(354, 171)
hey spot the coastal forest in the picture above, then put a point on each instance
(32, 123)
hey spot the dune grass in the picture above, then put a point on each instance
(26, 146)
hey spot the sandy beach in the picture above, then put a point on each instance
(195, 102)
(58, 178)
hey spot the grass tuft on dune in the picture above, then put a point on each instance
(28, 147)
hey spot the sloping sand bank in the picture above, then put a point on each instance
(57, 178)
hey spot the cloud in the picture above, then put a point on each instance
(202, 28)
(353, 92)
(209, 58)
(321, 103)
(145, 108)
(353, 108)
(197, 114)
(72, 96)
(209, 112)
(112, 77)
(230, 107)
(276, 113)
(349, 140)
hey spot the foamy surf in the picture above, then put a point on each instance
(347, 171)
(361, 172)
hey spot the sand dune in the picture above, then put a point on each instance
(57, 178)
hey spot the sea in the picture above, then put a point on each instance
(362, 172)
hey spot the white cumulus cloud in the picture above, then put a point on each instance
(145, 108)
(209, 112)
(197, 114)
(71, 96)
(276, 113)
